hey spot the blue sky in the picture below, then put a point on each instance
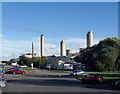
(23, 23)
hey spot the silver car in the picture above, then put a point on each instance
(3, 82)
(76, 72)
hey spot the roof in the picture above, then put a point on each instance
(62, 58)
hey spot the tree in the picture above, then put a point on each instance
(43, 63)
(103, 56)
(24, 61)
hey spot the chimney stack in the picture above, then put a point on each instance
(42, 45)
(62, 48)
(89, 39)
(32, 49)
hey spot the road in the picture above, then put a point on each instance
(48, 81)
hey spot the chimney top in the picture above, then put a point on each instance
(90, 32)
(62, 41)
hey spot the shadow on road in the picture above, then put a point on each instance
(62, 82)
(51, 76)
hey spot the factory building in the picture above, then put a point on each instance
(62, 48)
(89, 39)
(29, 55)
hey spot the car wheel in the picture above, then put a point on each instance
(118, 85)
(76, 74)
(23, 73)
(13, 72)
(101, 81)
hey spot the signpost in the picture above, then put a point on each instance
(32, 65)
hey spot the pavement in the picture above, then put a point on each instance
(40, 80)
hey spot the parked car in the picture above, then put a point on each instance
(15, 68)
(23, 66)
(117, 84)
(1, 65)
(1, 76)
(76, 72)
(2, 72)
(16, 71)
(93, 78)
(3, 82)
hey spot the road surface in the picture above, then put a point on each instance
(48, 81)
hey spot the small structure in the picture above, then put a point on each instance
(29, 55)
(62, 63)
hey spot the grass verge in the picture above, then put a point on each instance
(8, 68)
(86, 71)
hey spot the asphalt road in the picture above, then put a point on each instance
(47, 81)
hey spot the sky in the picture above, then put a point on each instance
(24, 22)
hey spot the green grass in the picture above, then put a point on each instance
(8, 68)
(5, 68)
(86, 71)
(26, 69)
(111, 77)
(101, 72)
(110, 80)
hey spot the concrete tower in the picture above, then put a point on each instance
(62, 48)
(42, 45)
(89, 39)
(32, 49)
(68, 52)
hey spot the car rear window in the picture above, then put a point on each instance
(99, 76)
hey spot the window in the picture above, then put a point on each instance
(88, 76)
(92, 76)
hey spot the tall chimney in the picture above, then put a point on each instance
(32, 49)
(89, 39)
(42, 45)
(62, 48)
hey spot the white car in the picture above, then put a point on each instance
(76, 72)
(23, 66)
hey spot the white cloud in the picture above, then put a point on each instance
(5, 56)
(20, 47)
(76, 43)
(0, 35)
(80, 42)
(52, 47)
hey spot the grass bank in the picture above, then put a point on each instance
(68, 71)
(8, 68)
